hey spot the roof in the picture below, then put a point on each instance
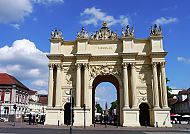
(6, 79)
(184, 92)
(31, 92)
(43, 99)
(172, 101)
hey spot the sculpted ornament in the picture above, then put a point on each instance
(102, 70)
(104, 34)
(155, 31)
(68, 79)
(142, 99)
(142, 77)
(83, 34)
(56, 34)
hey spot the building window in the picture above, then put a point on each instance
(7, 97)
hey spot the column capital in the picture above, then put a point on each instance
(133, 65)
(78, 65)
(50, 65)
(86, 65)
(58, 65)
(162, 64)
(125, 65)
(154, 64)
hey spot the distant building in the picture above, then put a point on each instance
(181, 104)
(12, 92)
(37, 102)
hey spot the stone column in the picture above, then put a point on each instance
(58, 87)
(50, 86)
(78, 86)
(155, 85)
(86, 85)
(133, 86)
(164, 89)
(126, 88)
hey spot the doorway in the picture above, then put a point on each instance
(144, 114)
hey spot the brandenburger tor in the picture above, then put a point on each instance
(136, 67)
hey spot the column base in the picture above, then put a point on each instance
(54, 116)
(131, 118)
(79, 117)
(160, 118)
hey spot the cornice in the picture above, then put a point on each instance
(157, 54)
(56, 40)
(155, 37)
(128, 54)
(55, 56)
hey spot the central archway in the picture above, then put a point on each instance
(113, 80)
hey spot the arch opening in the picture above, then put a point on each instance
(111, 86)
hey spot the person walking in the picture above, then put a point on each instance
(34, 119)
(37, 118)
(30, 119)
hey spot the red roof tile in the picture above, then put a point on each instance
(6, 79)
(184, 92)
(43, 99)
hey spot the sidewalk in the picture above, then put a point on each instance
(176, 127)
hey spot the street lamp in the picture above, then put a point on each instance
(84, 108)
(71, 121)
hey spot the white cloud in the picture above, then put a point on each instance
(24, 61)
(164, 20)
(16, 26)
(94, 16)
(15, 11)
(11, 11)
(48, 1)
(40, 83)
(184, 60)
(42, 92)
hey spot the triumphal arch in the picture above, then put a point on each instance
(136, 67)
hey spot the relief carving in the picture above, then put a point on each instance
(68, 79)
(103, 70)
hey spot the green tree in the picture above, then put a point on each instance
(169, 89)
(99, 108)
(113, 106)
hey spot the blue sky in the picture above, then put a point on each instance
(25, 27)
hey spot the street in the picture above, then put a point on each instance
(23, 128)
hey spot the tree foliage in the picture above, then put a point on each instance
(99, 108)
(169, 89)
(113, 106)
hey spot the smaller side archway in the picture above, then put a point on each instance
(144, 114)
(67, 114)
